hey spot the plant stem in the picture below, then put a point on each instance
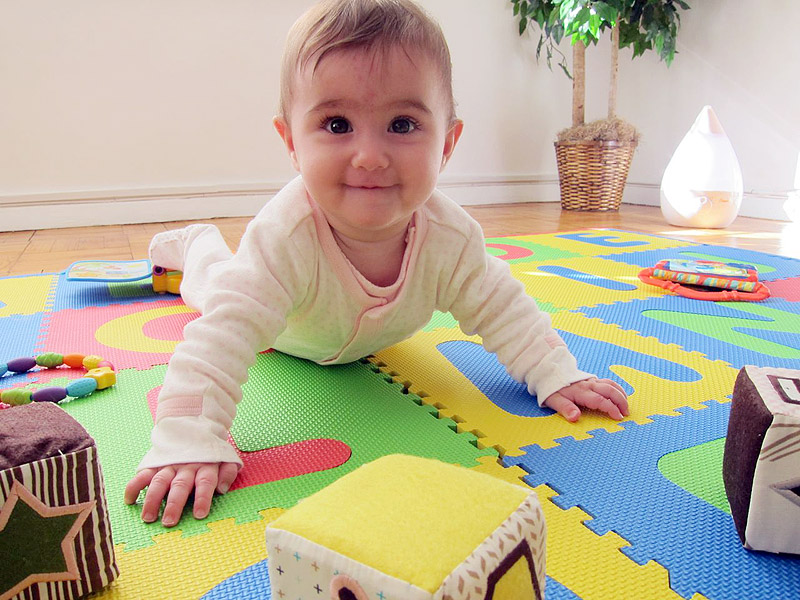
(612, 86)
(578, 83)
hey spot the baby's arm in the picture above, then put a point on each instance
(243, 312)
(489, 301)
(597, 394)
(175, 483)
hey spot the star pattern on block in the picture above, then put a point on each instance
(43, 538)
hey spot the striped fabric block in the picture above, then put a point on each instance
(55, 533)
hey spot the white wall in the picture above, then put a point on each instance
(153, 110)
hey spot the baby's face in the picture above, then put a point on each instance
(370, 133)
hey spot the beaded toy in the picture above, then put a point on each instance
(99, 375)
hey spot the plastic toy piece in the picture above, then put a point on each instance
(100, 375)
(761, 465)
(109, 270)
(166, 281)
(707, 280)
(413, 528)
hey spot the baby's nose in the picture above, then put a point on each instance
(370, 153)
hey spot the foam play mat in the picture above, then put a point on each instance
(635, 509)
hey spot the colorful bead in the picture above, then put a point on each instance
(16, 397)
(90, 362)
(78, 388)
(50, 394)
(74, 360)
(22, 364)
(104, 377)
(50, 360)
(99, 376)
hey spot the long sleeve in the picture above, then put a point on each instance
(245, 310)
(486, 299)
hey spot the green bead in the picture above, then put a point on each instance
(50, 360)
(16, 397)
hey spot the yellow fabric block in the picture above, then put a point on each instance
(406, 527)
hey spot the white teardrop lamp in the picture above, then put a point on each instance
(702, 184)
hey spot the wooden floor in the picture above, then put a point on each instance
(52, 250)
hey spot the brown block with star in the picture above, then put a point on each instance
(54, 527)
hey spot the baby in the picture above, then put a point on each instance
(352, 256)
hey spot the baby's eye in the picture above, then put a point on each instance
(338, 125)
(402, 125)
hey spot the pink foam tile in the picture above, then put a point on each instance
(138, 335)
(788, 289)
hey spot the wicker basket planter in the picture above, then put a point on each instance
(592, 174)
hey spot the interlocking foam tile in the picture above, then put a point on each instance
(83, 294)
(769, 266)
(352, 404)
(581, 564)
(301, 426)
(180, 567)
(756, 333)
(451, 372)
(575, 282)
(15, 331)
(615, 477)
(129, 335)
(25, 295)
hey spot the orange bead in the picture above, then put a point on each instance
(74, 360)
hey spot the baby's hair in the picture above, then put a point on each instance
(374, 25)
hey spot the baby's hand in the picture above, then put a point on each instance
(175, 483)
(598, 394)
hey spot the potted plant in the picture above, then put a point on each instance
(594, 158)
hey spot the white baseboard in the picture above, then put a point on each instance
(113, 207)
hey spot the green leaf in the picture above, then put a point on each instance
(523, 25)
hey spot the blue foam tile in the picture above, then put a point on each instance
(19, 335)
(614, 477)
(251, 583)
(84, 294)
(720, 330)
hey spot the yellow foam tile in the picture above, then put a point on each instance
(179, 567)
(25, 295)
(564, 292)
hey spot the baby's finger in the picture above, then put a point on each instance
(156, 491)
(179, 490)
(565, 407)
(204, 484)
(227, 473)
(599, 402)
(614, 392)
(140, 481)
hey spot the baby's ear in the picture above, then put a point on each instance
(285, 131)
(450, 140)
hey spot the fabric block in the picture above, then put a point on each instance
(55, 533)
(761, 464)
(412, 528)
